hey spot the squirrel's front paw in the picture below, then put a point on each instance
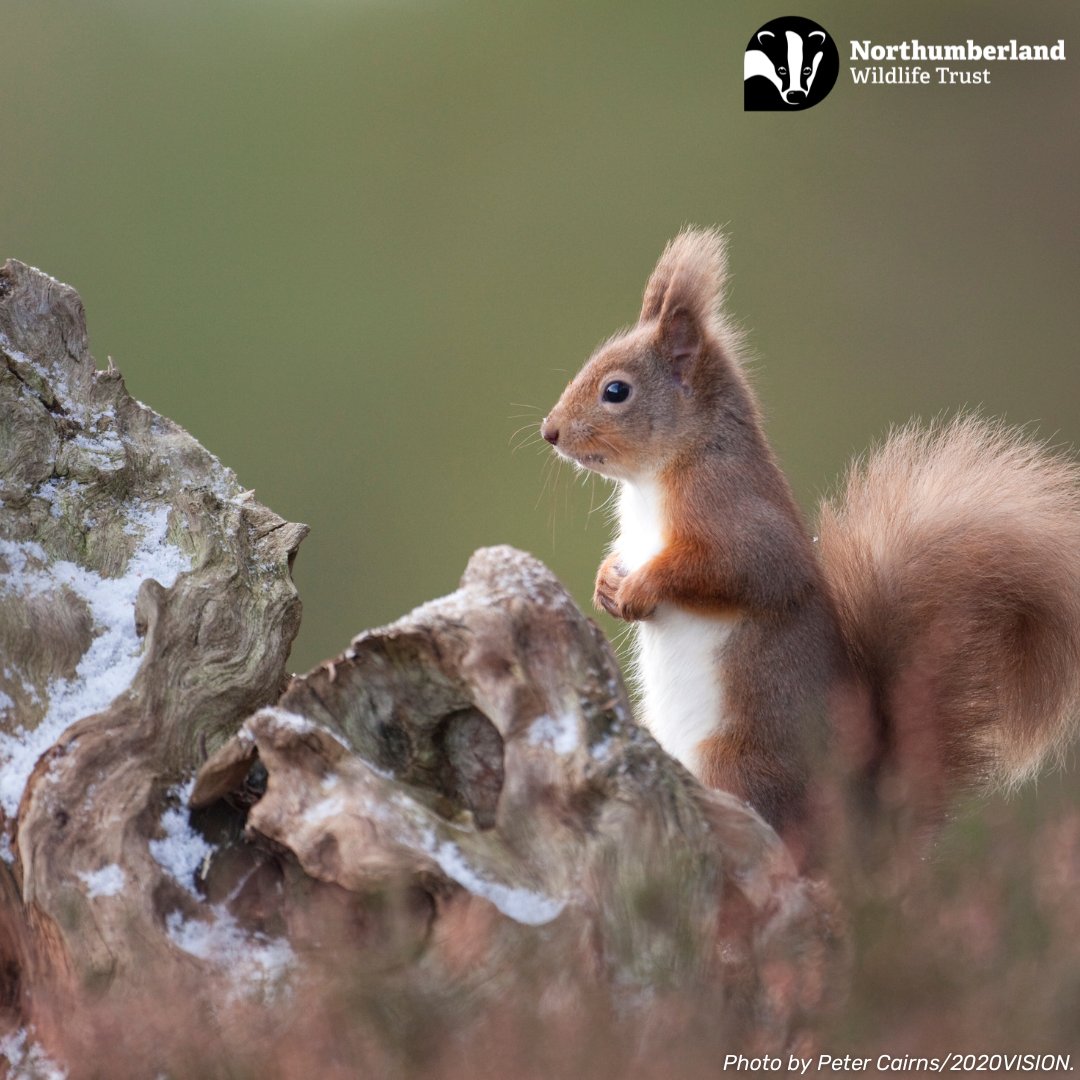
(609, 579)
(636, 601)
(619, 593)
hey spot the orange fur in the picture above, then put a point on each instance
(954, 555)
(935, 636)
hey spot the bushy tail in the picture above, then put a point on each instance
(954, 556)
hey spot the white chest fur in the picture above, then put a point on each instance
(679, 656)
(641, 522)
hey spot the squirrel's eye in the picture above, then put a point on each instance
(616, 392)
(781, 71)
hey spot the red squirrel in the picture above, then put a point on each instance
(930, 639)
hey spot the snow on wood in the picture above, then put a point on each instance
(177, 813)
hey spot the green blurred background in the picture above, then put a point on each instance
(353, 246)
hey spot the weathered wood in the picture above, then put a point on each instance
(118, 679)
(450, 795)
(556, 807)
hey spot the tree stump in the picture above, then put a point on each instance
(458, 808)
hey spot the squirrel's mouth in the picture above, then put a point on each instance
(601, 464)
(587, 461)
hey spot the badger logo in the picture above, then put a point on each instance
(790, 63)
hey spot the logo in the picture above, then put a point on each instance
(790, 64)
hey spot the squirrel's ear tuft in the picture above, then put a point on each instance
(683, 295)
(689, 276)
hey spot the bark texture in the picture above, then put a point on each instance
(451, 798)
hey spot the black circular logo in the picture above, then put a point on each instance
(790, 64)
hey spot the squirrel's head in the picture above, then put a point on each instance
(667, 386)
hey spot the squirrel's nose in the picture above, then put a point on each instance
(550, 433)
